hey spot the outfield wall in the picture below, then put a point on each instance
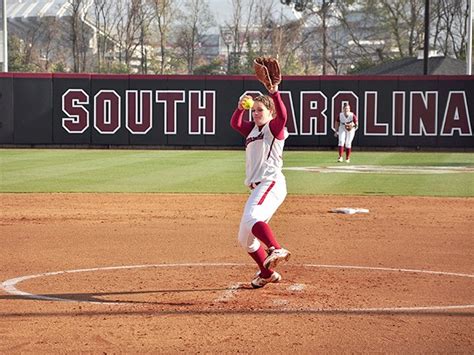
(194, 111)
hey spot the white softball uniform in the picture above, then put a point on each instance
(345, 136)
(264, 176)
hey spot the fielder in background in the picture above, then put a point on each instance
(347, 126)
(265, 139)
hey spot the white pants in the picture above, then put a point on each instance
(262, 203)
(345, 136)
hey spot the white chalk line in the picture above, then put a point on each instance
(391, 270)
(384, 169)
(9, 286)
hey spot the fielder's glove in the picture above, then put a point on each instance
(267, 71)
(349, 126)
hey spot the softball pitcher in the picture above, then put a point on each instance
(265, 139)
(347, 125)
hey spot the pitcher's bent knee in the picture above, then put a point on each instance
(248, 242)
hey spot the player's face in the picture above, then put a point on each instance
(347, 109)
(261, 114)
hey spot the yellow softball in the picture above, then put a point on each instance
(247, 103)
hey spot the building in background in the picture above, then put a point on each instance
(438, 65)
(45, 33)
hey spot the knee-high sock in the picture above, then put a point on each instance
(348, 152)
(341, 150)
(259, 256)
(264, 233)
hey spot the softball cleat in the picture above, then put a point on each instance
(258, 281)
(339, 160)
(275, 257)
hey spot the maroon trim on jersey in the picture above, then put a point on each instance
(253, 139)
(266, 193)
(271, 147)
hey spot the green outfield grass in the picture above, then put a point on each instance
(189, 171)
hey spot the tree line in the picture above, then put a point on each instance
(180, 36)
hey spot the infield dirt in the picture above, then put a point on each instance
(191, 293)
